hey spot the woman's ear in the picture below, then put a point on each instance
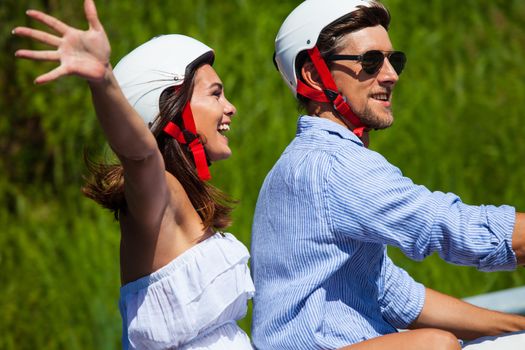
(310, 76)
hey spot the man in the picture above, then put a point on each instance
(329, 206)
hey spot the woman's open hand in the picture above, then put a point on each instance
(82, 53)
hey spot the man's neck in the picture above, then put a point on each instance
(330, 115)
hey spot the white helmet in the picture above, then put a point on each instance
(148, 70)
(301, 30)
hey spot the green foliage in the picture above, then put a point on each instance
(458, 108)
(458, 128)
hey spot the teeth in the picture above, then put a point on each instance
(382, 97)
(224, 127)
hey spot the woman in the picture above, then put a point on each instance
(173, 263)
(164, 113)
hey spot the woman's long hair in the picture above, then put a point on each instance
(105, 185)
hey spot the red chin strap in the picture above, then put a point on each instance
(188, 136)
(330, 93)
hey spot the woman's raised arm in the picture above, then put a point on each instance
(86, 54)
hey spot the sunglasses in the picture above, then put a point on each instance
(372, 61)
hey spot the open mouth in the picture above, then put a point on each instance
(223, 128)
(381, 97)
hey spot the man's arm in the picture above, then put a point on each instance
(518, 238)
(400, 297)
(464, 320)
(380, 205)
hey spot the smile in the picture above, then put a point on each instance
(381, 97)
(223, 128)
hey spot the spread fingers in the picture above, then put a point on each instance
(53, 23)
(38, 35)
(38, 55)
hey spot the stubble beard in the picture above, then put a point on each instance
(375, 121)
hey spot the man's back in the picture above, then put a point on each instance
(315, 285)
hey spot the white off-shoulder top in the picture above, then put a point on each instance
(193, 302)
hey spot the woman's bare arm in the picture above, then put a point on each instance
(86, 54)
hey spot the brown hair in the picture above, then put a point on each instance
(331, 37)
(106, 183)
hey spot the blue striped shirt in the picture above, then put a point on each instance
(324, 216)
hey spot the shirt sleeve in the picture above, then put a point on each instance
(400, 297)
(370, 200)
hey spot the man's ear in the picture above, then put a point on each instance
(310, 76)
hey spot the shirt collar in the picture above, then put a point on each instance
(307, 122)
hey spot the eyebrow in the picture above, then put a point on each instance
(218, 85)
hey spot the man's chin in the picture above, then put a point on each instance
(380, 123)
(385, 126)
(377, 121)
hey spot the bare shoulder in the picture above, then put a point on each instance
(146, 247)
(181, 209)
(179, 203)
(174, 185)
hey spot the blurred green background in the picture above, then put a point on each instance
(459, 127)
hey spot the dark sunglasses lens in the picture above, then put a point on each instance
(397, 60)
(372, 61)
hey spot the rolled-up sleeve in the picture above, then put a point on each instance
(400, 297)
(371, 201)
